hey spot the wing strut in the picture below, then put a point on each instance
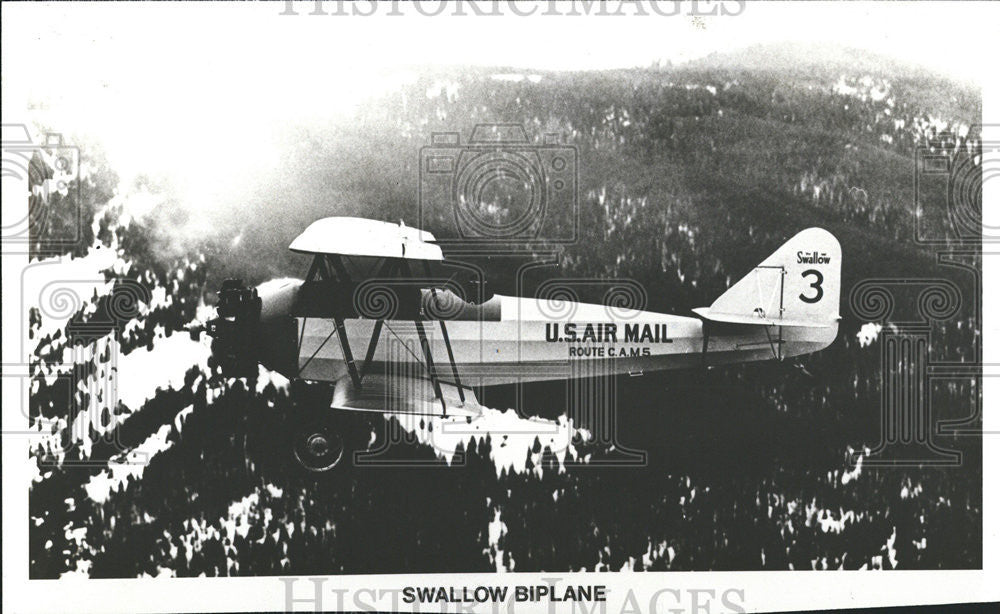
(331, 268)
(451, 358)
(382, 268)
(447, 340)
(430, 364)
(371, 347)
(320, 269)
(704, 342)
(345, 343)
(426, 346)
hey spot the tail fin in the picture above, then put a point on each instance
(798, 285)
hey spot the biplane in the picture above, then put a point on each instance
(395, 340)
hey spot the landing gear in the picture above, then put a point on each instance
(318, 449)
(323, 438)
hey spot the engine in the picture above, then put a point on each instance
(235, 331)
(255, 325)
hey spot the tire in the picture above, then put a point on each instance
(318, 447)
(323, 438)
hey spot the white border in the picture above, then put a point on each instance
(763, 591)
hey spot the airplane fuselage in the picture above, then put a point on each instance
(538, 340)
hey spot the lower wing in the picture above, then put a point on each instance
(400, 394)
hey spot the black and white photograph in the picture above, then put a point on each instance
(494, 306)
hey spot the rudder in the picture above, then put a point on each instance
(799, 284)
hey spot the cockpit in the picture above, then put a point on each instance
(443, 304)
(389, 299)
(388, 290)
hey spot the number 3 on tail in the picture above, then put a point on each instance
(817, 285)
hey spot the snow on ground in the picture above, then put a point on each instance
(61, 286)
(495, 530)
(240, 517)
(868, 333)
(826, 519)
(848, 476)
(134, 462)
(134, 379)
(265, 376)
(866, 88)
(142, 372)
(512, 437)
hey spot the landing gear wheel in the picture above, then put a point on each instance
(319, 449)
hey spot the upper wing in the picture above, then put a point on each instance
(353, 236)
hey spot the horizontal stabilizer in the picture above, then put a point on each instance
(727, 318)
